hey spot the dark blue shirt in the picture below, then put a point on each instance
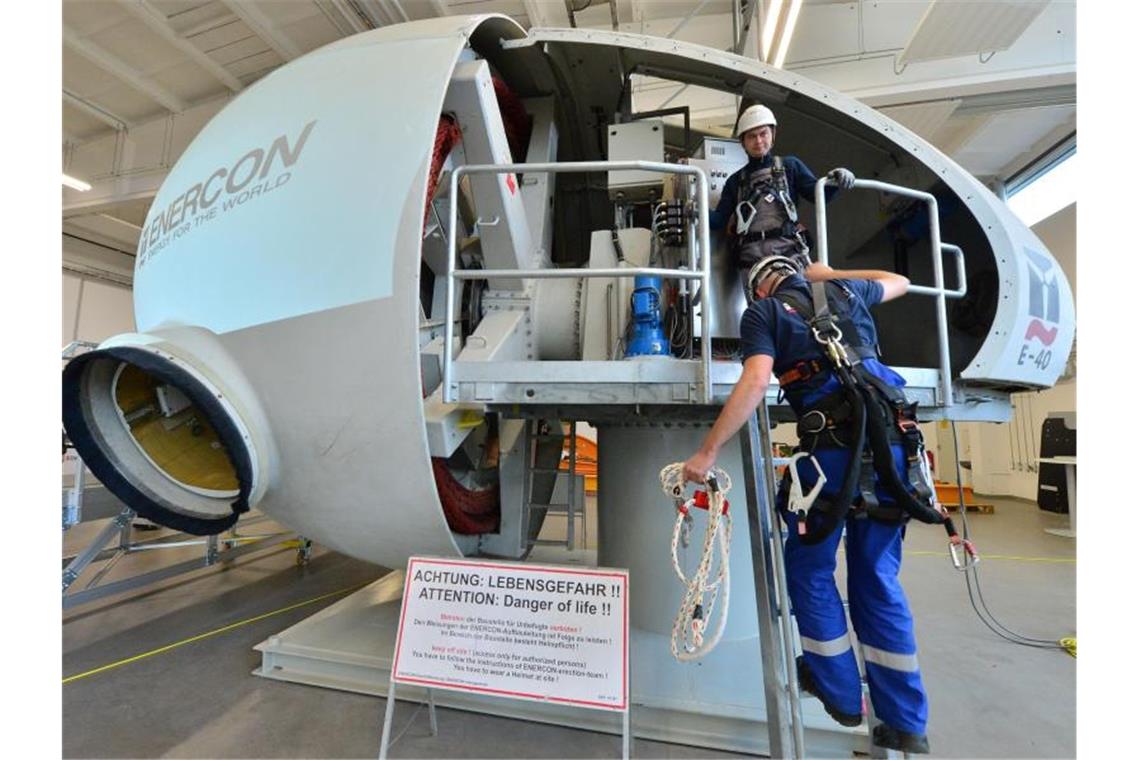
(773, 328)
(801, 184)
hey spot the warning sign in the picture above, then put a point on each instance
(539, 632)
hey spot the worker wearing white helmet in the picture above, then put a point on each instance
(758, 202)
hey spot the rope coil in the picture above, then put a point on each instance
(688, 641)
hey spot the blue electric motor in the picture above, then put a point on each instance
(647, 338)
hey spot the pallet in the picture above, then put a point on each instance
(985, 509)
(948, 496)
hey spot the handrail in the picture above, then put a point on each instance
(936, 248)
(692, 273)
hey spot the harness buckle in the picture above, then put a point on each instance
(742, 222)
(904, 424)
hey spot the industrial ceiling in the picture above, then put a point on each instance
(992, 84)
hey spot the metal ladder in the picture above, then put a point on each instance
(573, 508)
(773, 608)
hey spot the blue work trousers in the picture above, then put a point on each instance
(879, 612)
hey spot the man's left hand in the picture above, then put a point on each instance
(843, 177)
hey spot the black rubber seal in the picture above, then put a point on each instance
(79, 430)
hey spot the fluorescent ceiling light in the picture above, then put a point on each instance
(786, 35)
(76, 184)
(1048, 194)
(769, 32)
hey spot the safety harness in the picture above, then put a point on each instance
(766, 211)
(866, 415)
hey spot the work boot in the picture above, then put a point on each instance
(891, 738)
(807, 685)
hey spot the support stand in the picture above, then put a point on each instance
(389, 711)
(235, 546)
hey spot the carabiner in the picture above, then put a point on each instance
(963, 554)
(833, 334)
(798, 502)
(742, 225)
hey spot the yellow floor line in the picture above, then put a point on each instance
(208, 634)
(1066, 560)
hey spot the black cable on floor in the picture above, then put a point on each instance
(990, 623)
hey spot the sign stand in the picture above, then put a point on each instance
(626, 734)
(389, 711)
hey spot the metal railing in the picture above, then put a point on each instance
(936, 248)
(704, 274)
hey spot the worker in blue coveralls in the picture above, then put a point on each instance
(776, 337)
(758, 201)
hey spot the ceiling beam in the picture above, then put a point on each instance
(637, 13)
(97, 111)
(395, 10)
(122, 222)
(570, 14)
(123, 71)
(107, 193)
(377, 15)
(681, 24)
(157, 22)
(352, 15)
(537, 13)
(264, 28)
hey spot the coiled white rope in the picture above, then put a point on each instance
(688, 641)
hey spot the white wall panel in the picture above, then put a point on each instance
(104, 310)
(71, 288)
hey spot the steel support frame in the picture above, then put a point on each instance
(121, 526)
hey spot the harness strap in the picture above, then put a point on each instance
(780, 181)
(867, 481)
(828, 513)
(782, 190)
(802, 371)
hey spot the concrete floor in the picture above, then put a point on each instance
(989, 698)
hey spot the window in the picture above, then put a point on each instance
(1047, 193)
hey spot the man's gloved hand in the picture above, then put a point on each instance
(843, 177)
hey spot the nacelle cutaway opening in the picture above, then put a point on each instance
(160, 437)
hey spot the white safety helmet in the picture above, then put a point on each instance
(755, 116)
(768, 266)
